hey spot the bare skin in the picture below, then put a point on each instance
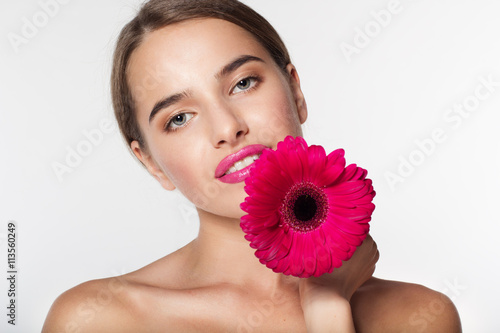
(165, 296)
(215, 283)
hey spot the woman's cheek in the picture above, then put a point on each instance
(284, 122)
(286, 111)
(271, 123)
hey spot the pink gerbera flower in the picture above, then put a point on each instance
(307, 212)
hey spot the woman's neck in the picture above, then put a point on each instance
(221, 254)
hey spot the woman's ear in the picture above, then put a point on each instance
(152, 167)
(300, 101)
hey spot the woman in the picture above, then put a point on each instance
(198, 85)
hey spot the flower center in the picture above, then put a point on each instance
(305, 207)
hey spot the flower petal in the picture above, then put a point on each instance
(278, 249)
(297, 263)
(264, 240)
(309, 256)
(347, 225)
(285, 247)
(317, 162)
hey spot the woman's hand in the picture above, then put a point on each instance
(325, 299)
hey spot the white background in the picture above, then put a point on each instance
(108, 216)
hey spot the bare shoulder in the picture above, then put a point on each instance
(94, 306)
(391, 306)
(144, 300)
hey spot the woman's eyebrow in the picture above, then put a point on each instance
(226, 70)
(166, 102)
(235, 64)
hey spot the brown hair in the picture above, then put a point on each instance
(156, 14)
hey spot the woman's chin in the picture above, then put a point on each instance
(233, 213)
(229, 211)
(225, 203)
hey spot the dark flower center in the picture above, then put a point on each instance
(305, 207)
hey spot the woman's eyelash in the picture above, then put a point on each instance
(254, 81)
(168, 126)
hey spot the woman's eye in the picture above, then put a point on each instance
(179, 120)
(245, 84)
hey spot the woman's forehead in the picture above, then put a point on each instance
(179, 55)
(193, 45)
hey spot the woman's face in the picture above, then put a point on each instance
(214, 91)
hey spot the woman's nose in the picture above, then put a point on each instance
(228, 126)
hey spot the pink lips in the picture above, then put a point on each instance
(229, 160)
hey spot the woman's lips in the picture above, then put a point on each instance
(228, 161)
